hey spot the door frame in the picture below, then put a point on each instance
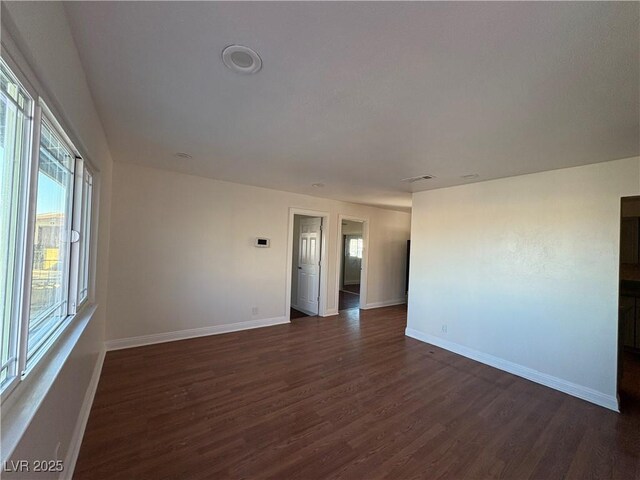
(365, 258)
(322, 303)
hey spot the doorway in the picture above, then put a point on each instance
(351, 263)
(629, 305)
(307, 245)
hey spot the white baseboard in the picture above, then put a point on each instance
(331, 313)
(142, 340)
(83, 417)
(580, 391)
(387, 303)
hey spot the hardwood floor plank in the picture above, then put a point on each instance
(345, 397)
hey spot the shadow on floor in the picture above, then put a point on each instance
(297, 314)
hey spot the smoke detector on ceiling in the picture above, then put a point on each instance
(418, 178)
(241, 59)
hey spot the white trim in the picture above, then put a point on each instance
(57, 127)
(76, 220)
(364, 264)
(94, 221)
(83, 417)
(579, 391)
(28, 236)
(324, 250)
(142, 340)
(331, 313)
(17, 329)
(386, 303)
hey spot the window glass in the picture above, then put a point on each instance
(15, 107)
(355, 247)
(45, 230)
(51, 241)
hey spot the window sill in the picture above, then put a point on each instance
(21, 405)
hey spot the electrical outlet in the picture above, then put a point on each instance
(444, 329)
(254, 311)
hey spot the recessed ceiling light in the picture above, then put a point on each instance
(184, 156)
(418, 178)
(470, 176)
(241, 59)
(317, 185)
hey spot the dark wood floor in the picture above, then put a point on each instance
(340, 397)
(348, 300)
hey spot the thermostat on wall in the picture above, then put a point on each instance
(263, 242)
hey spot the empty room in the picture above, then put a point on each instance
(319, 240)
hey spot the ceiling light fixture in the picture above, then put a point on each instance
(182, 155)
(317, 185)
(418, 178)
(241, 59)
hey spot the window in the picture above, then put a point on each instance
(45, 229)
(355, 247)
(51, 239)
(15, 112)
(85, 235)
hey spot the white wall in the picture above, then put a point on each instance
(182, 253)
(40, 32)
(523, 271)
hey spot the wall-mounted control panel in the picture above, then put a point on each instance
(262, 242)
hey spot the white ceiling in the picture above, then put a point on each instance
(360, 95)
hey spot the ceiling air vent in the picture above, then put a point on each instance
(419, 178)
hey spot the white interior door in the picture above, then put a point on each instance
(309, 265)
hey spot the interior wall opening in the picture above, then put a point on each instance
(629, 306)
(351, 262)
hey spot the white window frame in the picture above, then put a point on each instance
(22, 230)
(24, 249)
(85, 229)
(30, 359)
